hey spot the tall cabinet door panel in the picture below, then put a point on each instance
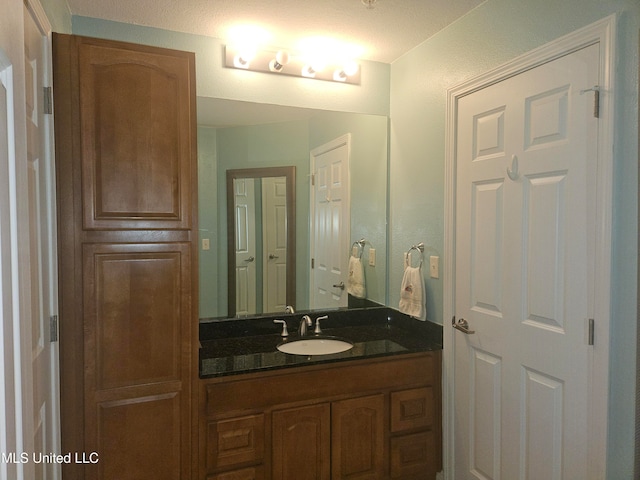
(136, 313)
(135, 119)
(136, 343)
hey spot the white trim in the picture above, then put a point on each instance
(39, 16)
(9, 387)
(602, 33)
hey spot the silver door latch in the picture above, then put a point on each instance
(461, 325)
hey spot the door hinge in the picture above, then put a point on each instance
(313, 179)
(591, 334)
(48, 100)
(53, 328)
(313, 263)
(596, 99)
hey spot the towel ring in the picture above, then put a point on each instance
(420, 248)
(359, 243)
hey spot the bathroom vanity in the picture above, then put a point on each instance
(372, 412)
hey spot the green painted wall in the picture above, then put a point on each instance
(492, 34)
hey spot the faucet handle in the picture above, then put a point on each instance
(284, 333)
(317, 329)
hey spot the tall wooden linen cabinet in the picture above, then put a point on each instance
(125, 130)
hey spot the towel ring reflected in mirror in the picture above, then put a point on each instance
(420, 248)
(359, 245)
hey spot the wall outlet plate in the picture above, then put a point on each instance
(434, 267)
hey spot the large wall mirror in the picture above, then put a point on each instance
(272, 139)
(261, 239)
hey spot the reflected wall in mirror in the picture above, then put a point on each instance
(261, 240)
(277, 143)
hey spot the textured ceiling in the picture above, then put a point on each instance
(381, 34)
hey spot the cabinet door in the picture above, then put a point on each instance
(137, 315)
(301, 443)
(136, 121)
(357, 434)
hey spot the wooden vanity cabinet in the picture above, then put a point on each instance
(356, 420)
(126, 185)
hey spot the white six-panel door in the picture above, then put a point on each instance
(330, 229)
(526, 152)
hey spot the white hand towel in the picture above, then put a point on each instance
(413, 294)
(355, 280)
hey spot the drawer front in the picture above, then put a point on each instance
(235, 441)
(414, 456)
(412, 409)
(241, 392)
(254, 473)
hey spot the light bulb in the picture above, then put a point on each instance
(243, 58)
(350, 68)
(278, 63)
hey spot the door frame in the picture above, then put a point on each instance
(52, 426)
(603, 33)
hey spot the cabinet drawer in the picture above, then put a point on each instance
(254, 473)
(411, 409)
(235, 441)
(414, 456)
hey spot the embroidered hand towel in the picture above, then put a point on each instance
(413, 294)
(355, 280)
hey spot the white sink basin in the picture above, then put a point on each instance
(315, 346)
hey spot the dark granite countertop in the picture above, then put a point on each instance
(237, 346)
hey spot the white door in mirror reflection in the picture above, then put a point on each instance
(330, 223)
(274, 241)
(245, 205)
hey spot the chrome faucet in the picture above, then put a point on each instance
(289, 309)
(305, 322)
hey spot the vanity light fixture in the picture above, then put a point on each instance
(283, 62)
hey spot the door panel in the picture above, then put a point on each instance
(135, 114)
(274, 228)
(331, 223)
(245, 236)
(357, 433)
(301, 443)
(136, 356)
(524, 248)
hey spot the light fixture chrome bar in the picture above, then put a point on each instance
(280, 62)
